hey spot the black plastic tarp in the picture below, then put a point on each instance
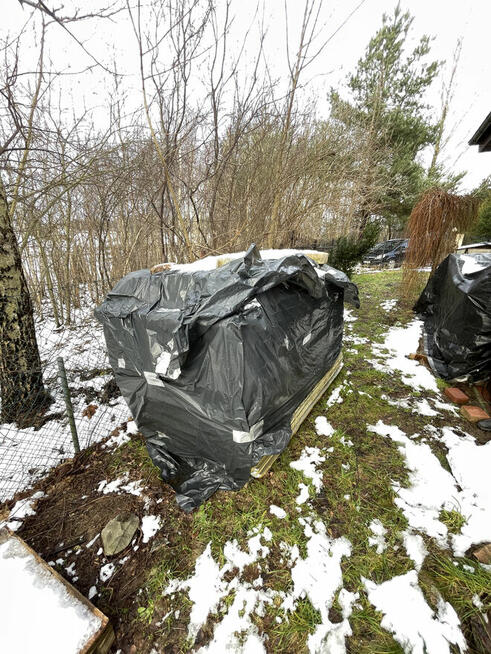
(456, 309)
(213, 363)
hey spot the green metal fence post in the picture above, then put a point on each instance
(68, 403)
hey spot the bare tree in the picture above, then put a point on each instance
(21, 379)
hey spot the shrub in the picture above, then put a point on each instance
(350, 250)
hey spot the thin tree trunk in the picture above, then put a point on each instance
(21, 381)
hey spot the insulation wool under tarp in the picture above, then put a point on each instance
(456, 309)
(213, 363)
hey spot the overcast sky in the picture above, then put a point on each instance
(445, 20)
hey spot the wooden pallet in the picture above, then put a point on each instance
(301, 412)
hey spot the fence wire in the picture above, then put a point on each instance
(41, 437)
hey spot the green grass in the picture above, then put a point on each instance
(134, 452)
(358, 486)
(453, 520)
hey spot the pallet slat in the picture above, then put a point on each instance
(301, 412)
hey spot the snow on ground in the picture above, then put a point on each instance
(322, 427)
(303, 496)
(415, 548)
(400, 342)
(277, 511)
(470, 465)
(377, 539)
(423, 406)
(319, 577)
(355, 340)
(348, 315)
(309, 459)
(21, 510)
(432, 488)
(116, 441)
(106, 571)
(120, 485)
(26, 454)
(150, 526)
(335, 397)
(207, 588)
(238, 558)
(388, 305)
(411, 620)
(30, 596)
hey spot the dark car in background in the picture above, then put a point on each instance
(389, 253)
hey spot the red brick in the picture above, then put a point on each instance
(473, 413)
(456, 395)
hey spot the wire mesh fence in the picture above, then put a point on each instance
(41, 436)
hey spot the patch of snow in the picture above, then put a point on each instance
(335, 397)
(117, 440)
(237, 558)
(237, 621)
(277, 511)
(388, 305)
(445, 406)
(131, 427)
(92, 592)
(29, 590)
(106, 571)
(70, 570)
(470, 464)
(378, 535)
(470, 265)
(402, 341)
(415, 548)
(150, 526)
(21, 510)
(120, 485)
(355, 340)
(309, 459)
(431, 487)
(348, 315)
(303, 496)
(402, 402)
(91, 542)
(322, 427)
(423, 408)
(206, 589)
(411, 621)
(212, 262)
(318, 577)
(476, 600)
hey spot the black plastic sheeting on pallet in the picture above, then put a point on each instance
(456, 309)
(214, 363)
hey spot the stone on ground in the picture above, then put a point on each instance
(118, 532)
